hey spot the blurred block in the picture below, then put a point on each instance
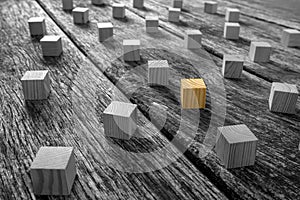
(98, 2)
(290, 38)
(152, 23)
(80, 15)
(174, 14)
(138, 3)
(158, 72)
(232, 31)
(106, 31)
(51, 45)
(67, 4)
(232, 66)
(178, 4)
(260, 51)
(37, 26)
(131, 50)
(232, 15)
(193, 93)
(210, 7)
(118, 10)
(192, 39)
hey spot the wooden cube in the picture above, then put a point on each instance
(210, 7)
(178, 4)
(53, 171)
(106, 31)
(260, 51)
(236, 146)
(67, 4)
(290, 38)
(131, 50)
(174, 14)
(283, 98)
(192, 39)
(37, 26)
(51, 45)
(118, 10)
(120, 120)
(152, 23)
(232, 15)
(193, 93)
(158, 72)
(232, 31)
(80, 15)
(98, 2)
(232, 66)
(138, 3)
(36, 85)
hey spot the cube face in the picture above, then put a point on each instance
(158, 72)
(51, 45)
(232, 15)
(178, 4)
(36, 85)
(231, 31)
(138, 3)
(120, 120)
(290, 38)
(152, 23)
(105, 31)
(232, 66)
(67, 4)
(98, 2)
(193, 93)
(260, 51)
(236, 146)
(118, 11)
(131, 50)
(174, 14)
(283, 98)
(192, 39)
(80, 15)
(210, 7)
(37, 26)
(53, 171)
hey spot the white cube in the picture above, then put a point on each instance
(192, 39)
(106, 31)
(231, 31)
(158, 72)
(232, 15)
(260, 51)
(67, 4)
(37, 26)
(138, 3)
(51, 45)
(178, 4)
(152, 23)
(118, 10)
(232, 66)
(290, 38)
(210, 7)
(131, 50)
(174, 14)
(80, 15)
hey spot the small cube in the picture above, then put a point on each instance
(174, 14)
(152, 23)
(193, 93)
(37, 26)
(98, 2)
(158, 72)
(178, 4)
(232, 31)
(138, 3)
(232, 15)
(210, 7)
(232, 66)
(192, 39)
(67, 4)
(106, 31)
(36, 85)
(51, 45)
(131, 50)
(80, 15)
(53, 171)
(283, 98)
(118, 10)
(290, 38)
(260, 51)
(120, 120)
(236, 146)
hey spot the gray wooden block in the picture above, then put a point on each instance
(53, 171)
(36, 85)
(106, 31)
(120, 120)
(232, 66)
(67, 4)
(231, 31)
(80, 15)
(232, 15)
(210, 7)
(118, 10)
(174, 14)
(192, 39)
(98, 2)
(178, 4)
(158, 72)
(37, 26)
(131, 50)
(236, 146)
(152, 24)
(51, 45)
(290, 38)
(138, 3)
(283, 98)
(260, 51)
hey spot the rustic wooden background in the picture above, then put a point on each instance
(89, 75)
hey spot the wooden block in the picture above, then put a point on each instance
(80, 15)
(260, 51)
(53, 171)
(232, 31)
(152, 24)
(98, 2)
(138, 3)
(174, 14)
(210, 7)
(67, 4)
(37, 26)
(118, 10)
(36, 85)
(120, 120)
(192, 39)
(236, 146)
(106, 31)
(178, 4)
(193, 93)
(158, 72)
(51, 45)
(232, 66)
(290, 38)
(283, 98)
(131, 50)
(232, 15)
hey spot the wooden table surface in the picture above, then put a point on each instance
(89, 75)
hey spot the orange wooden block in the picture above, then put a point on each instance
(193, 93)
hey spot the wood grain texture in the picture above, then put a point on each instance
(51, 45)
(119, 11)
(105, 31)
(193, 93)
(192, 39)
(290, 38)
(232, 66)
(131, 49)
(260, 51)
(158, 72)
(174, 14)
(211, 7)
(37, 26)
(231, 30)
(80, 15)
(232, 15)
(152, 24)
